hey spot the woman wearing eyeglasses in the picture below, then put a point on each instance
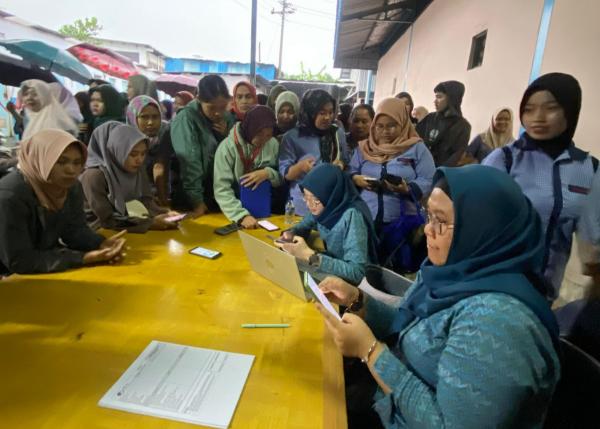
(474, 340)
(343, 221)
(393, 170)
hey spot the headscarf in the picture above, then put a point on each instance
(313, 101)
(273, 94)
(337, 193)
(37, 157)
(113, 105)
(234, 107)
(109, 148)
(380, 153)
(51, 116)
(134, 109)
(567, 92)
(492, 138)
(256, 119)
(67, 101)
(455, 91)
(290, 98)
(143, 86)
(185, 96)
(503, 254)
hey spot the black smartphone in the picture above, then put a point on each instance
(227, 229)
(393, 179)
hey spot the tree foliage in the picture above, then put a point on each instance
(85, 30)
(308, 75)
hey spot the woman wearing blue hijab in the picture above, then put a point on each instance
(343, 221)
(474, 341)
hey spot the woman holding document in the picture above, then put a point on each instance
(474, 339)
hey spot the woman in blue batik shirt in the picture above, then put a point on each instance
(474, 340)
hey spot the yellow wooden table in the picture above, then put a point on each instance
(65, 338)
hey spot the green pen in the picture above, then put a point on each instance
(265, 325)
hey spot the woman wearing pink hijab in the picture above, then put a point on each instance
(42, 223)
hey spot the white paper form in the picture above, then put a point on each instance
(188, 384)
(321, 297)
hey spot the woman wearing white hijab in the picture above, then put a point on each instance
(43, 111)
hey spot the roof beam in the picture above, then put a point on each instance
(386, 8)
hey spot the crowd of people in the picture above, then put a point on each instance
(393, 186)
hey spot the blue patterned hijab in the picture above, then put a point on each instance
(498, 246)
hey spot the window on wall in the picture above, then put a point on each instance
(477, 49)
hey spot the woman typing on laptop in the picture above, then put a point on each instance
(343, 221)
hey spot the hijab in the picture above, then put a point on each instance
(83, 99)
(167, 109)
(143, 86)
(313, 101)
(38, 155)
(134, 109)
(109, 148)
(567, 92)
(287, 97)
(52, 114)
(492, 138)
(234, 107)
(337, 193)
(114, 105)
(273, 94)
(255, 120)
(381, 153)
(67, 101)
(503, 254)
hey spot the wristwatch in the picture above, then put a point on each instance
(357, 305)
(314, 260)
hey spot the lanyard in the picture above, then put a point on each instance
(248, 162)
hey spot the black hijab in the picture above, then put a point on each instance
(313, 101)
(567, 92)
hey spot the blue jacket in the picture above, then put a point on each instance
(295, 148)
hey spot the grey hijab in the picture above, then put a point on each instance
(108, 150)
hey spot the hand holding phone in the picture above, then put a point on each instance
(285, 237)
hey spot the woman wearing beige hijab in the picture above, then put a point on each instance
(498, 134)
(43, 111)
(42, 223)
(393, 169)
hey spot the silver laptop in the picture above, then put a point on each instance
(274, 264)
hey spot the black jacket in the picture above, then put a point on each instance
(446, 137)
(29, 234)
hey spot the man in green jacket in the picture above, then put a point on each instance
(196, 132)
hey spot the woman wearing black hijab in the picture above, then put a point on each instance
(315, 140)
(445, 132)
(554, 174)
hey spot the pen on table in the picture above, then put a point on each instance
(265, 325)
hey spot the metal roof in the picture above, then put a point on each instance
(366, 29)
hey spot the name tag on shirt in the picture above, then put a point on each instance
(579, 189)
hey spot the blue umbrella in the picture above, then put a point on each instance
(49, 57)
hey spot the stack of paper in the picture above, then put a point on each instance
(188, 384)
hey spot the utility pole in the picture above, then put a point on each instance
(253, 45)
(286, 9)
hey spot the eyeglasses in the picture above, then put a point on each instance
(311, 201)
(439, 227)
(388, 127)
